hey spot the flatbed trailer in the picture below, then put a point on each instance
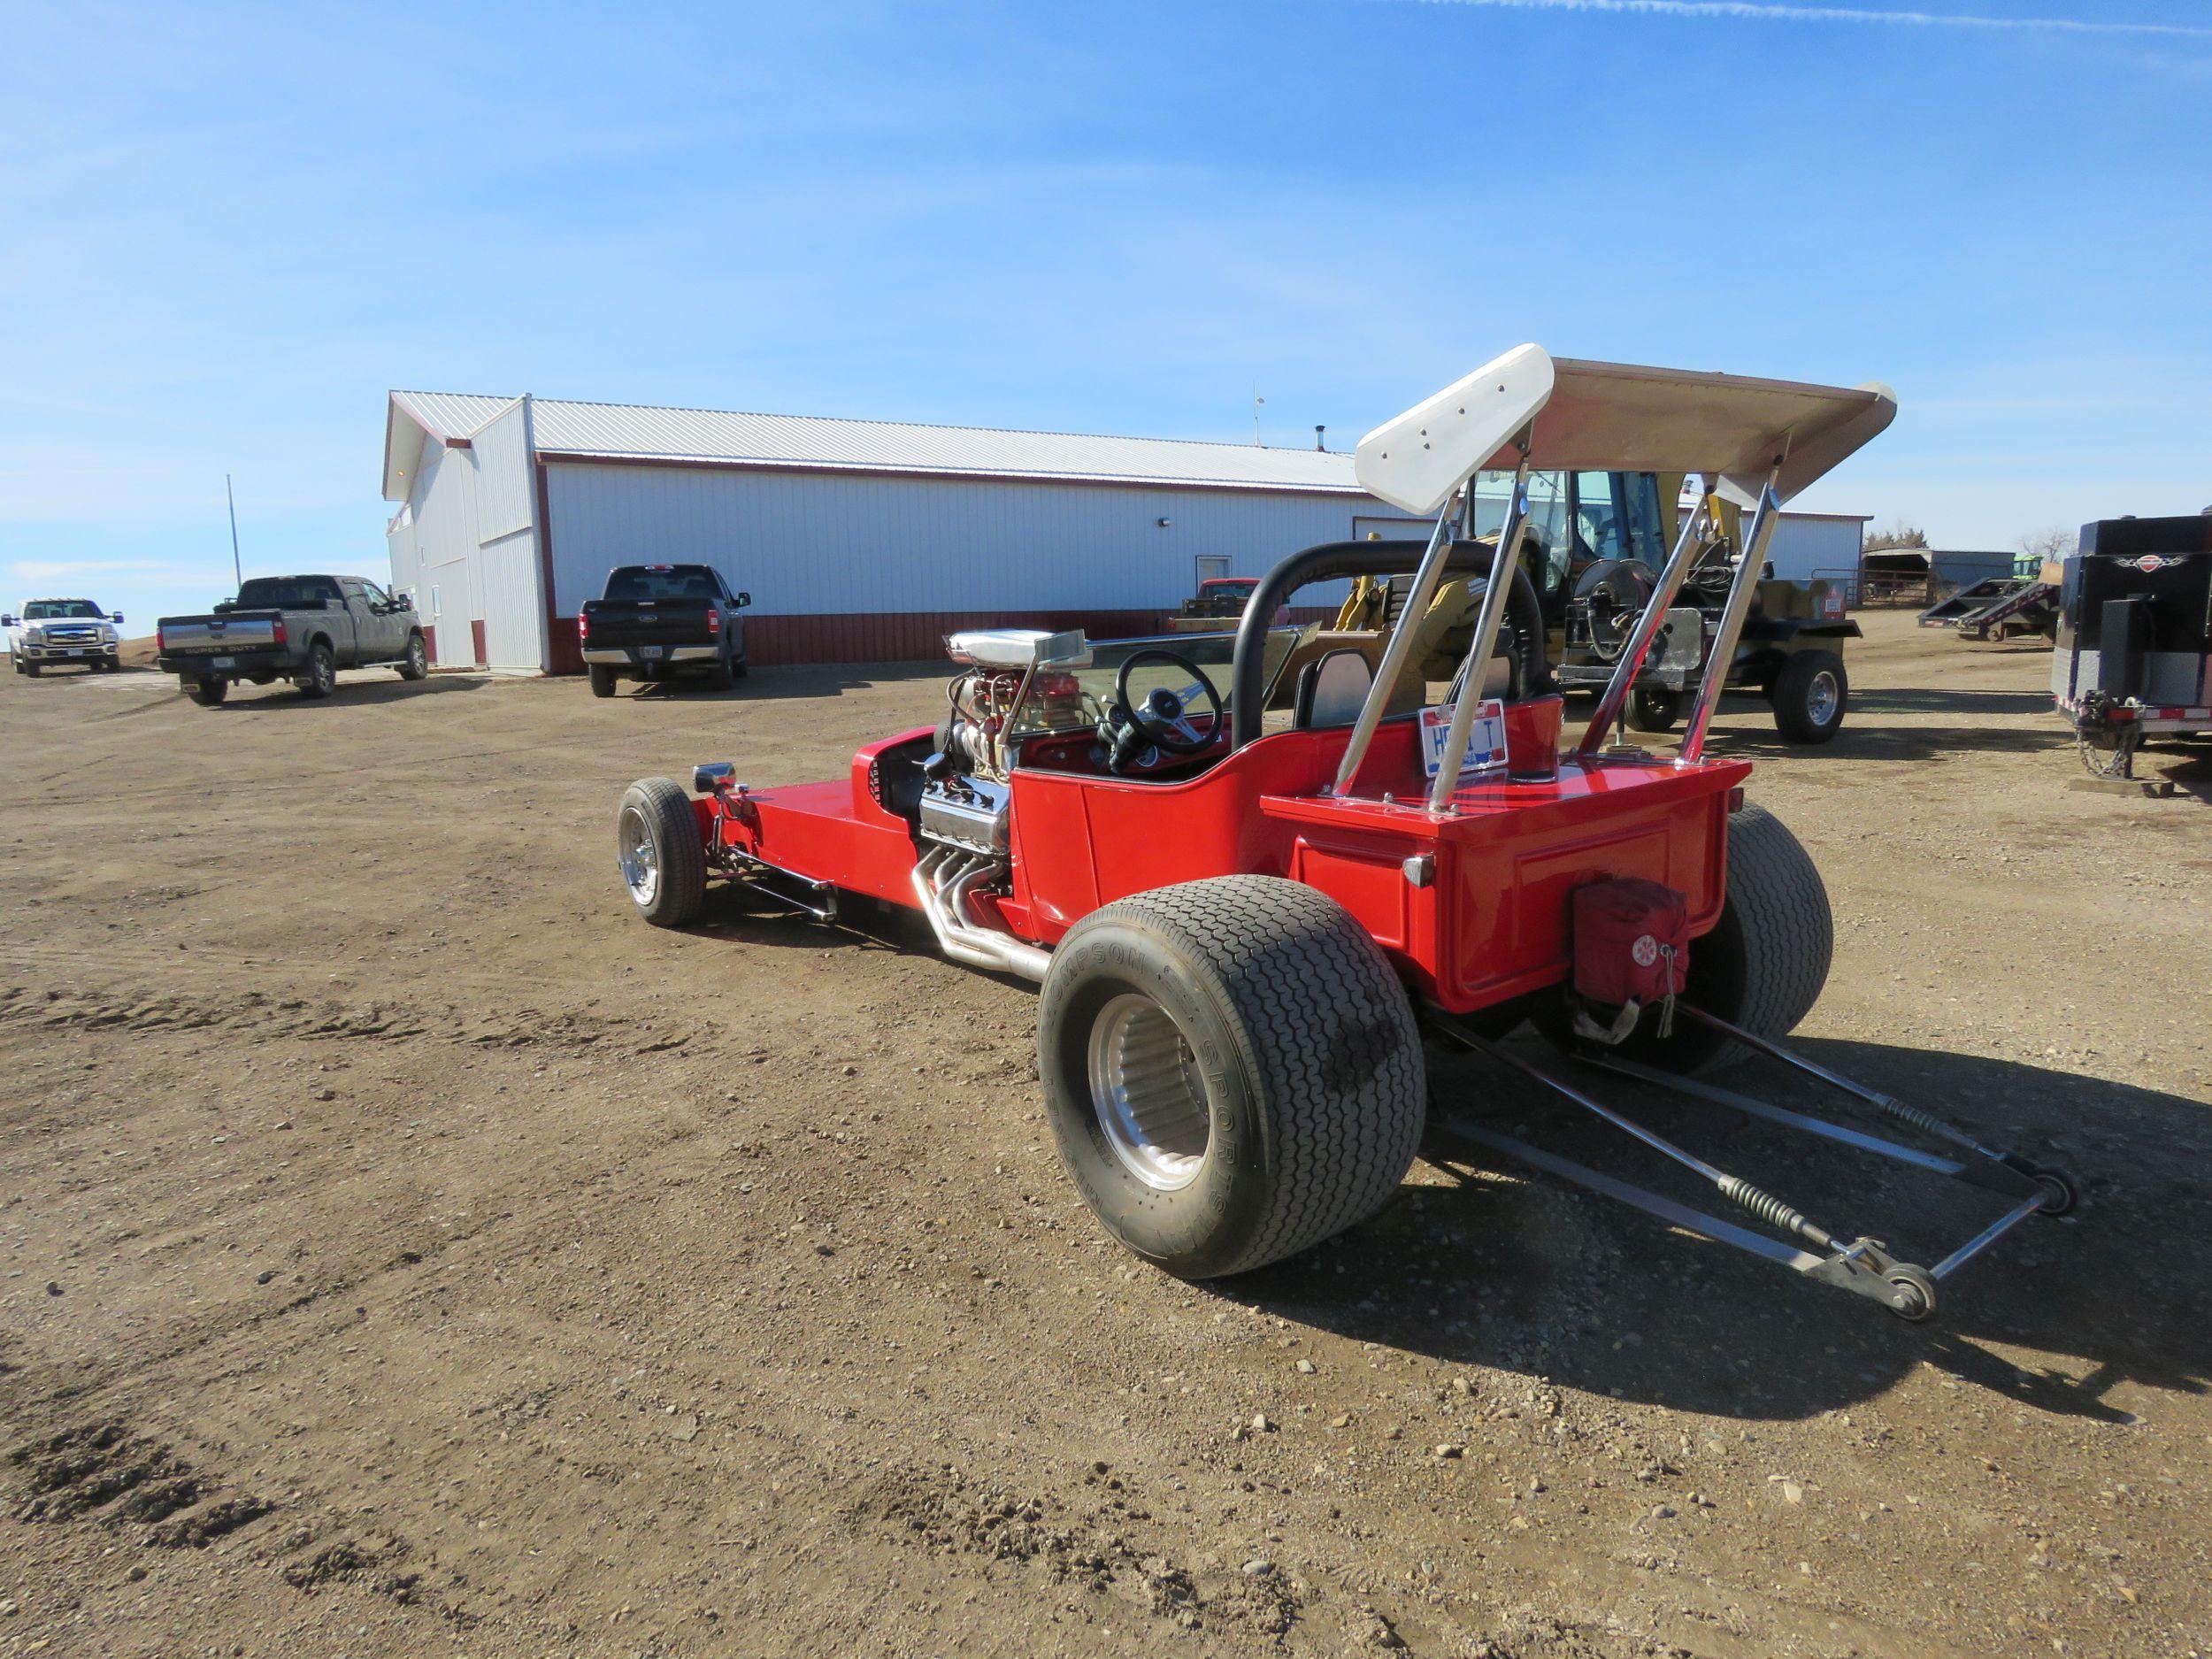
(1999, 606)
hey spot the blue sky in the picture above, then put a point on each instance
(226, 231)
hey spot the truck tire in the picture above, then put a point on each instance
(207, 693)
(723, 675)
(1231, 1072)
(1765, 962)
(657, 849)
(416, 663)
(1809, 695)
(319, 677)
(32, 669)
(1653, 710)
(601, 681)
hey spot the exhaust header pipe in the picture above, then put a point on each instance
(958, 936)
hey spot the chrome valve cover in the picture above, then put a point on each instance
(967, 812)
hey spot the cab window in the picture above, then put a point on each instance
(1598, 516)
(1547, 544)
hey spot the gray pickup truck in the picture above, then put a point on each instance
(300, 628)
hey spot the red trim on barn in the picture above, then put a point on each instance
(430, 642)
(564, 654)
(909, 636)
(476, 639)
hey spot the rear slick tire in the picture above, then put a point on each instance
(1763, 965)
(1231, 1072)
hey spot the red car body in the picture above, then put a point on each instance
(1482, 920)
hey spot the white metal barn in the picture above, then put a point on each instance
(1809, 544)
(859, 540)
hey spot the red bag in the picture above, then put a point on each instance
(1632, 948)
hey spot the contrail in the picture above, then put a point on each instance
(1843, 14)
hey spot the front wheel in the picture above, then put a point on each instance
(1231, 1072)
(1810, 694)
(1653, 710)
(416, 663)
(320, 678)
(207, 693)
(32, 669)
(659, 852)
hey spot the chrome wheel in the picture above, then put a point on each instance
(638, 857)
(1148, 1094)
(1823, 697)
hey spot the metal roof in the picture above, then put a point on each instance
(716, 437)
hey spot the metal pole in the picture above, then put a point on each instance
(1731, 619)
(1647, 624)
(236, 570)
(1503, 565)
(1399, 646)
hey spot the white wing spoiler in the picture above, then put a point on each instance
(1617, 417)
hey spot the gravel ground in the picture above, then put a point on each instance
(406, 1251)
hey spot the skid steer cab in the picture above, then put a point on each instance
(1251, 873)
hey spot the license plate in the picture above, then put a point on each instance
(1485, 742)
(227, 662)
(649, 653)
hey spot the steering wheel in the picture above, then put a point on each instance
(1162, 720)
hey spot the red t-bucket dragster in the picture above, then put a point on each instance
(1249, 872)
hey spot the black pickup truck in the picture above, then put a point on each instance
(655, 621)
(300, 628)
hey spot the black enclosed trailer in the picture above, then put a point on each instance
(2134, 657)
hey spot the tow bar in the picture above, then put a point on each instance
(1863, 1266)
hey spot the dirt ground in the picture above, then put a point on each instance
(407, 1251)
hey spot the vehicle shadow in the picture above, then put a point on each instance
(350, 693)
(1480, 1261)
(811, 680)
(1865, 735)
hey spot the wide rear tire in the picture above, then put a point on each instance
(1765, 962)
(207, 693)
(658, 852)
(601, 681)
(1232, 1070)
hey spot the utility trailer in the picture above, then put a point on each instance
(1244, 921)
(2134, 651)
(1997, 608)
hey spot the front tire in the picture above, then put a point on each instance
(658, 851)
(1231, 1072)
(1653, 710)
(320, 678)
(416, 663)
(1809, 695)
(1766, 960)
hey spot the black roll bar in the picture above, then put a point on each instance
(1326, 562)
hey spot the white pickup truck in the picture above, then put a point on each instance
(48, 632)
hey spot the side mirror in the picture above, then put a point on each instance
(115, 616)
(7, 622)
(743, 600)
(405, 602)
(1766, 571)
